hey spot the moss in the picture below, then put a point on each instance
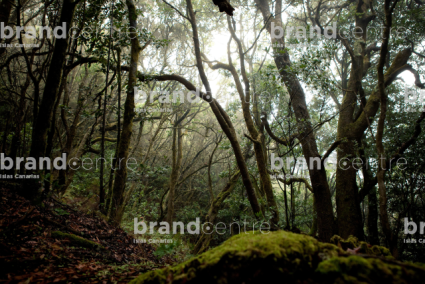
(365, 248)
(263, 258)
(77, 240)
(357, 269)
(101, 215)
(250, 257)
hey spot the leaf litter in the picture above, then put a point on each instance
(30, 254)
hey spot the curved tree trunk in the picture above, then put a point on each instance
(222, 117)
(204, 241)
(323, 203)
(256, 136)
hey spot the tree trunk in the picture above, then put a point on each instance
(255, 136)
(372, 217)
(285, 195)
(53, 82)
(390, 237)
(5, 8)
(222, 117)
(177, 160)
(123, 148)
(323, 203)
(204, 241)
(16, 140)
(347, 199)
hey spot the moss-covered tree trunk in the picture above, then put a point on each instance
(347, 199)
(123, 147)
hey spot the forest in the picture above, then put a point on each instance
(199, 141)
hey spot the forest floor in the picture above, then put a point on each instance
(55, 243)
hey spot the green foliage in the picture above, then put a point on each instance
(166, 249)
(61, 212)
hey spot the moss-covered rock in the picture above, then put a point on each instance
(285, 257)
(251, 258)
(359, 269)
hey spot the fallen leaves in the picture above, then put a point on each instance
(30, 255)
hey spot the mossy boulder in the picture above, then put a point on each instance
(359, 269)
(282, 257)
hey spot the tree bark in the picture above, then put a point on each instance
(5, 8)
(123, 148)
(221, 115)
(53, 82)
(177, 161)
(204, 241)
(323, 203)
(390, 237)
(372, 217)
(256, 136)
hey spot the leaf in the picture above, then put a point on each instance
(60, 211)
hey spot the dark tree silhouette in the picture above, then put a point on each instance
(224, 6)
